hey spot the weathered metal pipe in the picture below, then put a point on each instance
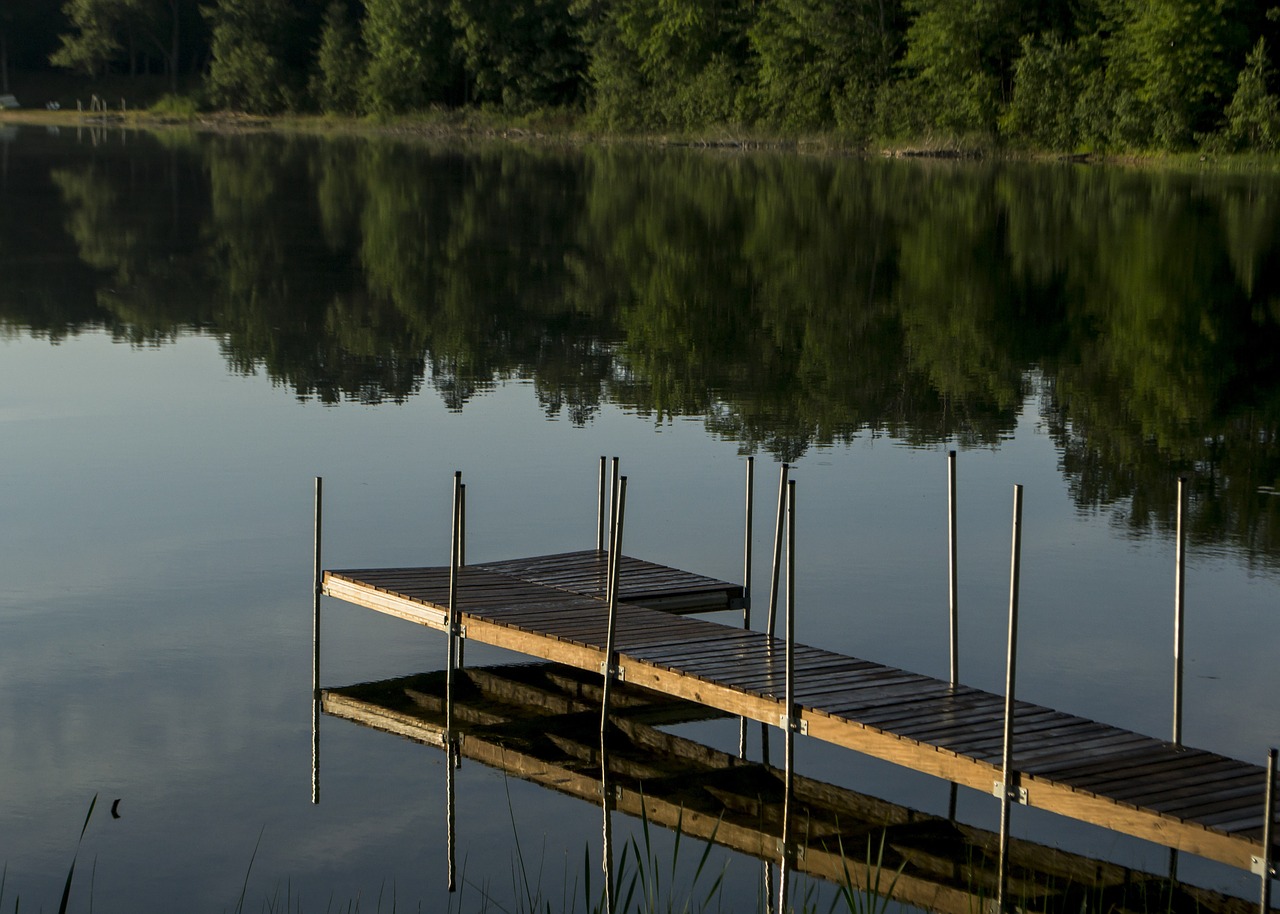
(1268, 820)
(789, 719)
(1179, 611)
(316, 590)
(953, 601)
(777, 550)
(1007, 786)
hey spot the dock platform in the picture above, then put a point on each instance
(552, 608)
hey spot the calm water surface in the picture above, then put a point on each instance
(194, 327)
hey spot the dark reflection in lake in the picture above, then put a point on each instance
(786, 302)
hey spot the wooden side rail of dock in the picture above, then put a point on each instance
(1183, 798)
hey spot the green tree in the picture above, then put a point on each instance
(669, 63)
(821, 63)
(412, 56)
(520, 54)
(1049, 80)
(1253, 117)
(105, 31)
(247, 72)
(340, 62)
(961, 54)
(1168, 61)
(95, 43)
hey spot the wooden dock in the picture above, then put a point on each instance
(540, 722)
(551, 608)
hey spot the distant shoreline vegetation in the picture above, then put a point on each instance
(1095, 77)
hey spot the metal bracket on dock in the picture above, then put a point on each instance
(1017, 795)
(797, 850)
(799, 724)
(1255, 866)
(617, 672)
(459, 630)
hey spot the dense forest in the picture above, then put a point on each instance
(1065, 75)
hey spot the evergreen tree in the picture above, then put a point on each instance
(1253, 117)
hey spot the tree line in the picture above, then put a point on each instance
(1066, 75)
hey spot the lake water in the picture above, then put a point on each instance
(196, 326)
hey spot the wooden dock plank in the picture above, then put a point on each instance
(550, 607)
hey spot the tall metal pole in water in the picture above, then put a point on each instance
(1007, 786)
(461, 534)
(450, 742)
(746, 546)
(746, 582)
(953, 601)
(600, 507)
(778, 531)
(788, 717)
(616, 514)
(1268, 832)
(1179, 610)
(452, 625)
(317, 581)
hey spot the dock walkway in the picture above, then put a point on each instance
(552, 608)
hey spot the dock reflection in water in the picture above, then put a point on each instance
(541, 723)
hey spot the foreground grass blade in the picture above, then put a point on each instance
(66, 889)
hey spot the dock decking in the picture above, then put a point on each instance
(552, 608)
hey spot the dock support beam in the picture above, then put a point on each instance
(316, 589)
(1007, 788)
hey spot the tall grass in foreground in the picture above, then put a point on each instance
(648, 881)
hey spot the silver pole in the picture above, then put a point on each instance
(453, 607)
(746, 548)
(951, 565)
(777, 550)
(600, 507)
(462, 551)
(1179, 607)
(613, 492)
(789, 722)
(617, 512)
(1007, 786)
(1269, 815)
(615, 553)
(317, 587)
(746, 583)
(450, 750)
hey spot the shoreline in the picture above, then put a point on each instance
(554, 129)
